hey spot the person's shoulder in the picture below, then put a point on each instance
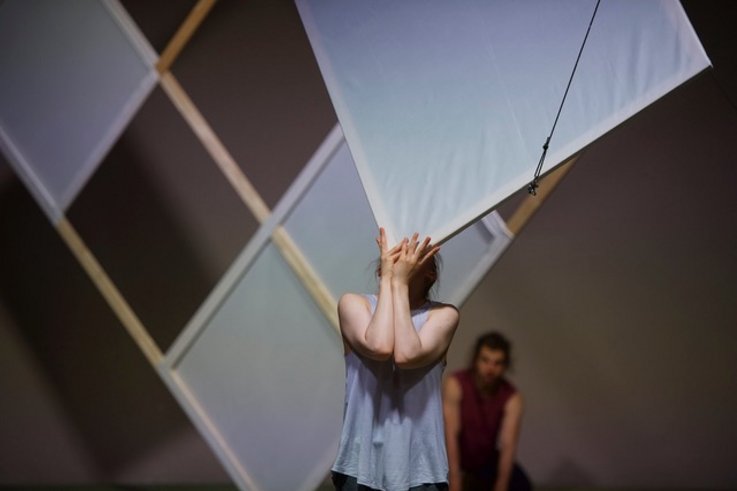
(460, 374)
(352, 301)
(435, 305)
(461, 377)
(452, 387)
(513, 401)
(457, 384)
(447, 310)
(352, 298)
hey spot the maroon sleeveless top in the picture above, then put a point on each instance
(481, 419)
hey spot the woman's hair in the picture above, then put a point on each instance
(436, 265)
(494, 341)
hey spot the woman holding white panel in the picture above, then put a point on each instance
(395, 345)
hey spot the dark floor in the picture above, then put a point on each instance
(199, 487)
(221, 487)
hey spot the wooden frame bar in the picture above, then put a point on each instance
(183, 34)
(110, 292)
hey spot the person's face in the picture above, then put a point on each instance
(490, 365)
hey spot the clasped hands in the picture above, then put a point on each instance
(403, 261)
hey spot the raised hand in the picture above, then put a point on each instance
(387, 257)
(412, 257)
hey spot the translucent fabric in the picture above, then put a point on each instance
(446, 105)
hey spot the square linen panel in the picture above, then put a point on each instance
(446, 105)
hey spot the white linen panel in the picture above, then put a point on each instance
(446, 105)
(73, 74)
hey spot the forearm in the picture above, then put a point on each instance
(504, 468)
(379, 334)
(407, 343)
(455, 476)
(452, 395)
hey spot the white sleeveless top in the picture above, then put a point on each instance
(393, 435)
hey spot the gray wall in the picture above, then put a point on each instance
(619, 294)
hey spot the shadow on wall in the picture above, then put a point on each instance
(112, 399)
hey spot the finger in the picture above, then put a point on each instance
(394, 255)
(385, 244)
(413, 243)
(425, 244)
(430, 253)
(399, 246)
(397, 249)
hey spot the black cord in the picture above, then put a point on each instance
(532, 187)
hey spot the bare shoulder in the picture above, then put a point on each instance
(443, 306)
(351, 302)
(445, 311)
(354, 313)
(452, 389)
(452, 384)
(515, 402)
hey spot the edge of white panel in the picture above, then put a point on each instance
(207, 428)
(118, 126)
(561, 155)
(130, 108)
(482, 208)
(131, 30)
(501, 237)
(33, 183)
(377, 208)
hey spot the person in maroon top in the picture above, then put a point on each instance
(482, 412)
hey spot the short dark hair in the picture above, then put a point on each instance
(493, 340)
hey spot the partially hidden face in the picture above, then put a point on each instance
(490, 365)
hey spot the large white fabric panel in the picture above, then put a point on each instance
(446, 105)
(73, 73)
(267, 371)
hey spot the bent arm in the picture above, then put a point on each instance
(452, 394)
(414, 349)
(508, 438)
(369, 335)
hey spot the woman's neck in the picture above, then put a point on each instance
(417, 299)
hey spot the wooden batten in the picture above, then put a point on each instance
(183, 34)
(108, 290)
(304, 272)
(215, 147)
